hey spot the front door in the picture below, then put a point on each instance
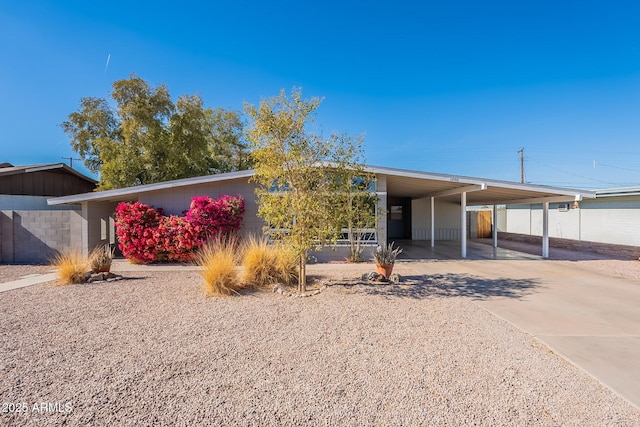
(398, 218)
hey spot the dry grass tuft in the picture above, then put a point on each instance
(265, 264)
(259, 263)
(286, 265)
(72, 267)
(218, 261)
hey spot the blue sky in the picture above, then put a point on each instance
(454, 87)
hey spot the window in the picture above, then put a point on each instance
(396, 213)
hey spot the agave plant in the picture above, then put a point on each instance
(386, 256)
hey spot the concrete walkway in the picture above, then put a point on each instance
(590, 319)
(27, 281)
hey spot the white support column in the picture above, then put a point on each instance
(85, 228)
(463, 223)
(545, 230)
(495, 226)
(433, 223)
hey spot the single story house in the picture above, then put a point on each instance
(31, 230)
(412, 205)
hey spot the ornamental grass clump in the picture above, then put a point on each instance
(286, 265)
(265, 264)
(259, 261)
(72, 267)
(218, 261)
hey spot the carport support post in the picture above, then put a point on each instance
(433, 223)
(463, 223)
(545, 230)
(495, 226)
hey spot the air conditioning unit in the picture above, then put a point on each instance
(563, 207)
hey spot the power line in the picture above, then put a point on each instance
(576, 175)
(618, 167)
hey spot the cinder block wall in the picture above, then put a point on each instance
(36, 236)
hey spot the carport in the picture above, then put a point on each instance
(468, 191)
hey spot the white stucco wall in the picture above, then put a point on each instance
(613, 220)
(98, 225)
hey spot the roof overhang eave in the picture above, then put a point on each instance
(130, 193)
(576, 197)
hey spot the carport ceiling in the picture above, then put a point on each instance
(417, 185)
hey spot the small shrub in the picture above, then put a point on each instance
(146, 235)
(72, 267)
(355, 254)
(265, 264)
(217, 259)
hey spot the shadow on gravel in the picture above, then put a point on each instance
(448, 285)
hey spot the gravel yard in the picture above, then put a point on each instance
(152, 349)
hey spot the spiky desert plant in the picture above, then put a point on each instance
(101, 257)
(72, 267)
(217, 259)
(260, 262)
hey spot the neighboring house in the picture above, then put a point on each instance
(30, 229)
(612, 217)
(411, 205)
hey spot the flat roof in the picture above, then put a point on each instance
(618, 192)
(400, 183)
(480, 191)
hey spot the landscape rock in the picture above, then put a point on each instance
(395, 278)
(91, 277)
(372, 275)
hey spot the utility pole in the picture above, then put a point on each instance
(521, 151)
(71, 159)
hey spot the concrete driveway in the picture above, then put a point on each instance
(589, 318)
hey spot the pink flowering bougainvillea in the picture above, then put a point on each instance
(146, 235)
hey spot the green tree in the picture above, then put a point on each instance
(300, 175)
(148, 138)
(355, 195)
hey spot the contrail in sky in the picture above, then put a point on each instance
(107, 66)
